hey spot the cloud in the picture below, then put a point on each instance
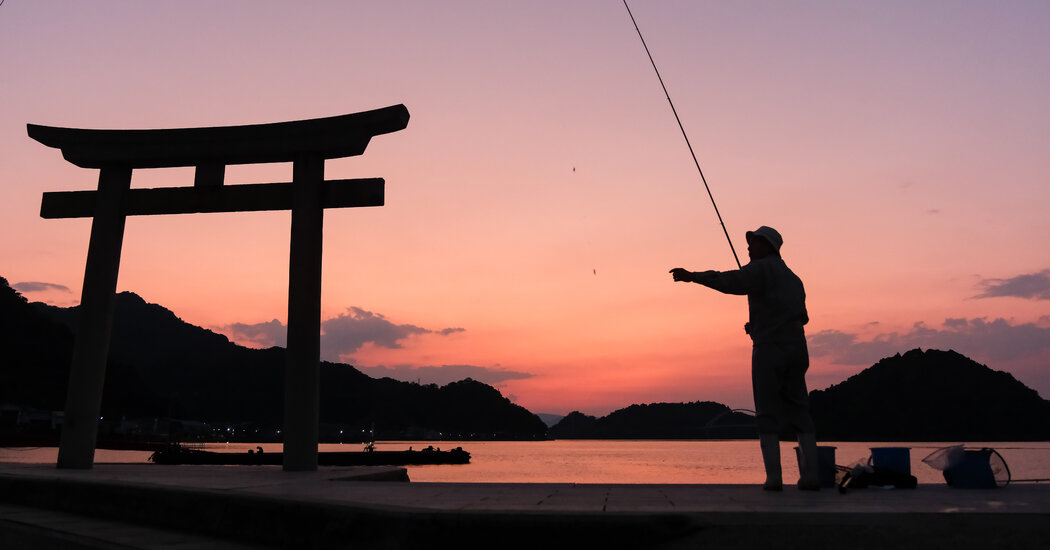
(268, 334)
(1033, 286)
(444, 374)
(35, 286)
(349, 331)
(340, 335)
(997, 340)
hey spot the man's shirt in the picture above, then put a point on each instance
(776, 299)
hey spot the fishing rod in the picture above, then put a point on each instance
(684, 135)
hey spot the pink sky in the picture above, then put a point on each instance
(542, 189)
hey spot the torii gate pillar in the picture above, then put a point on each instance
(302, 375)
(306, 143)
(94, 321)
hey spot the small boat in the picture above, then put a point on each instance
(178, 454)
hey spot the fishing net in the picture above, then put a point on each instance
(945, 457)
(970, 468)
(999, 469)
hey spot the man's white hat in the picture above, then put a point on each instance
(769, 234)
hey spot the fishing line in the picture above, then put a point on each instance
(682, 128)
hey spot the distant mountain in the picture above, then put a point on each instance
(35, 352)
(698, 420)
(575, 425)
(930, 396)
(919, 396)
(550, 419)
(161, 366)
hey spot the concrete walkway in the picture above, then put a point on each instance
(366, 507)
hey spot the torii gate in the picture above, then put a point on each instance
(304, 143)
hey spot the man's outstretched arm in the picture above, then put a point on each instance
(739, 281)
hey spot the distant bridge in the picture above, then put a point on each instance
(712, 423)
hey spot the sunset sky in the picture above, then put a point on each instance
(542, 189)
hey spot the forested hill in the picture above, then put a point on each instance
(163, 367)
(919, 396)
(160, 366)
(698, 420)
(930, 395)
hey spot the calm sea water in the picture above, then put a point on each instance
(613, 461)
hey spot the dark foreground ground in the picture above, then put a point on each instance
(196, 507)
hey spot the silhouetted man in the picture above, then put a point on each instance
(776, 303)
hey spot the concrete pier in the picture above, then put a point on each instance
(348, 507)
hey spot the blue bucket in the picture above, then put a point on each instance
(825, 464)
(974, 471)
(896, 459)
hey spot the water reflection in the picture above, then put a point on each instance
(610, 461)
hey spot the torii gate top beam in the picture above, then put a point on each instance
(331, 137)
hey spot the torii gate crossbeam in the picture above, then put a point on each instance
(305, 143)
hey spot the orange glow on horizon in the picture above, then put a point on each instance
(542, 190)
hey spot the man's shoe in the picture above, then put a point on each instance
(808, 485)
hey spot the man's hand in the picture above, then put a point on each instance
(680, 274)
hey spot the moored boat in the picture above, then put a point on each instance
(178, 454)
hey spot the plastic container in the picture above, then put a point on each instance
(974, 471)
(896, 459)
(825, 464)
